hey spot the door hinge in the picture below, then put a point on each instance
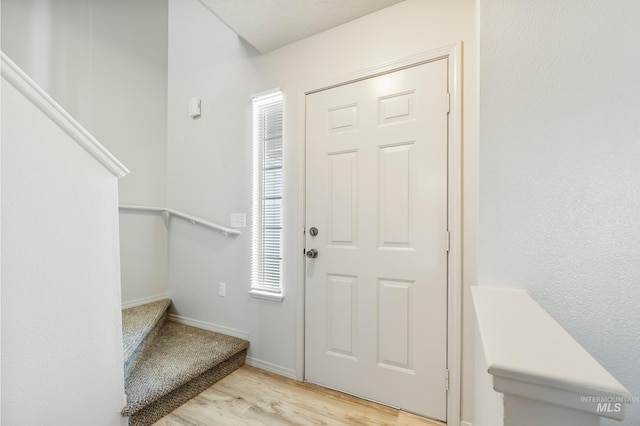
(446, 379)
(448, 241)
(448, 102)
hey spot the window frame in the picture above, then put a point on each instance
(267, 112)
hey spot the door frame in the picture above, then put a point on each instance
(454, 213)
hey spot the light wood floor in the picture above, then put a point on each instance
(250, 396)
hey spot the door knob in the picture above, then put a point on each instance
(312, 254)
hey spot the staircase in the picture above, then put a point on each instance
(167, 363)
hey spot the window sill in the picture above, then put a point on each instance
(276, 297)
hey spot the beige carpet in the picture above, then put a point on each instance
(139, 326)
(177, 355)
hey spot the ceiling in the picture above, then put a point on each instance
(270, 24)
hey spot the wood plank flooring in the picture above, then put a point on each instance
(253, 397)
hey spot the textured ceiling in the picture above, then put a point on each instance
(270, 24)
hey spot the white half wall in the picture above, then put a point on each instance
(105, 62)
(61, 318)
(560, 169)
(209, 158)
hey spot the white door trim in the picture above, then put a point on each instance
(454, 285)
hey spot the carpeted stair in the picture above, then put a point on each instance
(167, 363)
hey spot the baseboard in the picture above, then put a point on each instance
(271, 368)
(465, 424)
(208, 326)
(144, 300)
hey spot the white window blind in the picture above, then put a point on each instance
(266, 230)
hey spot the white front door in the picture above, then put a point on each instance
(376, 192)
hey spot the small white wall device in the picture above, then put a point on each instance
(194, 107)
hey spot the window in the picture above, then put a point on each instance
(266, 227)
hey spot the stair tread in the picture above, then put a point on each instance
(137, 323)
(178, 353)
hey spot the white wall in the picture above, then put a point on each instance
(0, 234)
(209, 158)
(61, 322)
(209, 163)
(106, 64)
(560, 168)
(488, 405)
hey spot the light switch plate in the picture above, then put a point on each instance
(238, 220)
(195, 107)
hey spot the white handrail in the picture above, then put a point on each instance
(45, 103)
(193, 219)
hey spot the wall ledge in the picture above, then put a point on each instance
(45, 103)
(533, 357)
